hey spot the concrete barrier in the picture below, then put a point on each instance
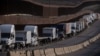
(72, 48)
(13, 53)
(90, 40)
(37, 53)
(94, 38)
(50, 52)
(80, 46)
(85, 44)
(98, 36)
(66, 50)
(29, 53)
(42, 52)
(76, 48)
(18, 53)
(59, 51)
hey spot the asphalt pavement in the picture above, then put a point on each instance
(93, 30)
(91, 50)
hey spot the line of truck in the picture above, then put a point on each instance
(10, 38)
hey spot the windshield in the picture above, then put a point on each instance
(19, 38)
(47, 35)
(5, 35)
(73, 27)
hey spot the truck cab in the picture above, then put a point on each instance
(34, 33)
(49, 33)
(23, 38)
(61, 30)
(7, 35)
(73, 27)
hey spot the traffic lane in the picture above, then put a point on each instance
(88, 33)
(97, 54)
(4, 54)
(88, 51)
(93, 30)
(94, 27)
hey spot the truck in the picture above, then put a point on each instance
(90, 18)
(49, 33)
(67, 28)
(80, 26)
(7, 35)
(34, 34)
(83, 24)
(93, 16)
(70, 28)
(61, 30)
(73, 27)
(87, 20)
(22, 39)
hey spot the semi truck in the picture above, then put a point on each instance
(23, 39)
(70, 28)
(73, 27)
(93, 16)
(87, 20)
(83, 24)
(34, 33)
(49, 33)
(7, 35)
(61, 30)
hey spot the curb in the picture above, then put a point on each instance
(56, 51)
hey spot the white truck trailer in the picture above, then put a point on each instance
(73, 27)
(7, 35)
(70, 28)
(23, 38)
(34, 33)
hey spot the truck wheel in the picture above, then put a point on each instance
(3, 48)
(12, 46)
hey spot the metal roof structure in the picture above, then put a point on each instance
(43, 11)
